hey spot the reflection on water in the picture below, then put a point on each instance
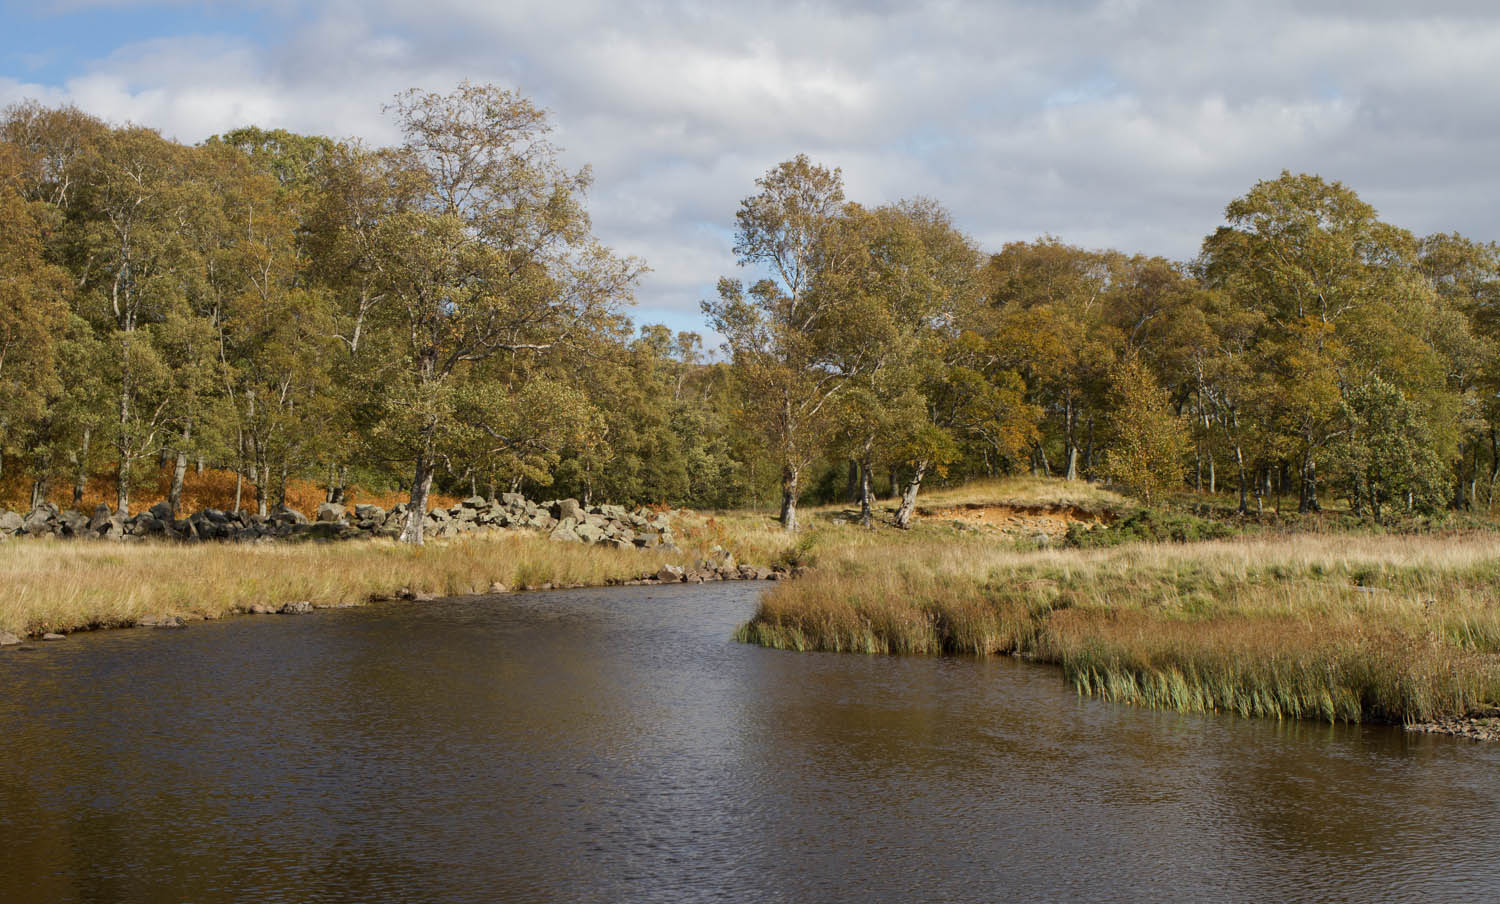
(615, 745)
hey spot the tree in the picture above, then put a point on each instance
(779, 332)
(33, 307)
(1321, 268)
(488, 254)
(1149, 441)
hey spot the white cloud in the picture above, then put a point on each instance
(1112, 123)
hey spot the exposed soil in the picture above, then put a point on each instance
(1050, 519)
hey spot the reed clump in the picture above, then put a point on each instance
(1325, 627)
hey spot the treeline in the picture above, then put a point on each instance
(1309, 346)
(294, 307)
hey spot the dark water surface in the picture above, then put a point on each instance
(616, 745)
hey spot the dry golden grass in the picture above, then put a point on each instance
(1347, 628)
(1026, 491)
(66, 585)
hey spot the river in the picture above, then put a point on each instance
(617, 745)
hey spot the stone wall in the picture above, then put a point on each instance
(564, 520)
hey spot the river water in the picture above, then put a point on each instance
(616, 745)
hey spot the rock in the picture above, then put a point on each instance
(52, 636)
(564, 534)
(39, 522)
(161, 621)
(421, 597)
(162, 511)
(568, 508)
(369, 513)
(8, 639)
(330, 512)
(10, 522)
(260, 609)
(215, 515)
(498, 587)
(589, 533)
(101, 519)
(73, 523)
(287, 515)
(513, 501)
(474, 502)
(300, 607)
(670, 574)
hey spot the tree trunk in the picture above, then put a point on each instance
(40, 486)
(909, 496)
(81, 477)
(239, 487)
(179, 471)
(1308, 492)
(866, 495)
(1072, 461)
(416, 513)
(789, 480)
(852, 488)
(1239, 462)
(122, 473)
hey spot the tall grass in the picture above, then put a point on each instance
(67, 585)
(1335, 628)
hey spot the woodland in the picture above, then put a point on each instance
(438, 317)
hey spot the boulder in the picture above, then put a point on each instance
(330, 512)
(260, 609)
(498, 587)
(53, 636)
(300, 607)
(161, 621)
(513, 501)
(101, 519)
(10, 522)
(39, 522)
(671, 574)
(474, 502)
(369, 513)
(8, 639)
(73, 523)
(287, 515)
(564, 509)
(564, 533)
(162, 511)
(589, 533)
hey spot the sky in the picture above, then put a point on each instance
(1120, 123)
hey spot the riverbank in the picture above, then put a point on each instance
(1336, 628)
(62, 586)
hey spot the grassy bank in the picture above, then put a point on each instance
(1326, 627)
(64, 585)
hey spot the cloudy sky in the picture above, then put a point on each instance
(1110, 124)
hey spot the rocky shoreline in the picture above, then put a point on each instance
(563, 520)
